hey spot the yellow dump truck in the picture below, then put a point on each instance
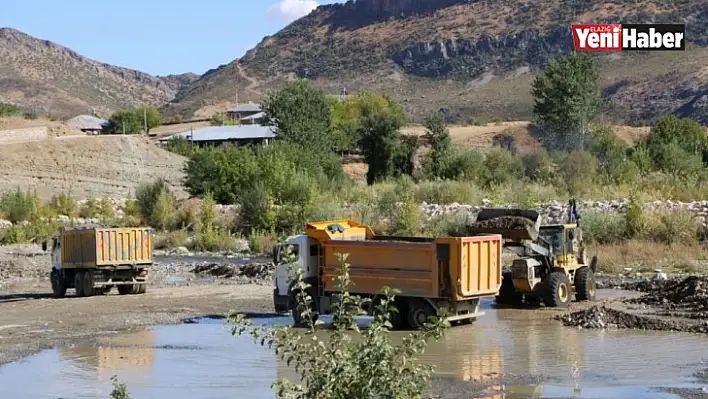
(431, 273)
(94, 259)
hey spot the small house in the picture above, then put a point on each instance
(243, 110)
(88, 124)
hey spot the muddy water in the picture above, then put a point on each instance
(205, 361)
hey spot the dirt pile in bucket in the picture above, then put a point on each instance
(250, 272)
(504, 222)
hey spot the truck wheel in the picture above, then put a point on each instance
(125, 289)
(419, 311)
(558, 290)
(395, 318)
(507, 292)
(585, 284)
(58, 283)
(88, 283)
(79, 283)
(142, 288)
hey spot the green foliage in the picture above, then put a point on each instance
(120, 390)
(131, 212)
(105, 210)
(501, 167)
(538, 166)
(301, 115)
(164, 211)
(635, 220)
(348, 114)
(577, 171)
(380, 141)
(341, 366)
(125, 122)
(150, 116)
(223, 119)
(567, 99)
(608, 149)
(604, 228)
(672, 159)
(63, 204)
(181, 146)
(17, 206)
(437, 160)
(89, 210)
(8, 110)
(147, 196)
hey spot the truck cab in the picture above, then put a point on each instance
(306, 251)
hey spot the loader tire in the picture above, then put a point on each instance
(79, 283)
(58, 283)
(507, 293)
(585, 284)
(558, 291)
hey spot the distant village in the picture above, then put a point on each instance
(248, 127)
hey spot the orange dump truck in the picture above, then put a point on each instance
(431, 273)
(94, 259)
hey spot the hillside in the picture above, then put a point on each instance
(85, 166)
(44, 77)
(472, 58)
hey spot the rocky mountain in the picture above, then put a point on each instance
(471, 58)
(45, 77)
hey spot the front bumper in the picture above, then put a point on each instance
(280, 302)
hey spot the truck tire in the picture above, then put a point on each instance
(142, 288)
(87, 281)
(124, 289)
(58, 283)
(585, 284)
(79, 283)
(558, 292)
(507, 293)
(419, 311)
(395, 318)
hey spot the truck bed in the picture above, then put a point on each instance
(99, 247)
(453, 268)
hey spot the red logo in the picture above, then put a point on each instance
(597, 37)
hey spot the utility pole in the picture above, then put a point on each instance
(145, 119)
(123, 127)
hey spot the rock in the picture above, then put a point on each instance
(180, 251)
(5, 224)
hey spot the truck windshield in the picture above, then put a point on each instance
(555, 238)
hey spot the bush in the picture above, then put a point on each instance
(501, 167)
(18, 206)
(173, 239)
(341, 367)
(147, 196)
(89, 210)
(63, 204)
(164, 212)
(577, 171)
(538, 166)
(676, 227)
(604, 228)
(635, 220)
(260, 242)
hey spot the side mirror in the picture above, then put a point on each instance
(44, 246)
(277, 254)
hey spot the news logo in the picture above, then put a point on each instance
(627, 37)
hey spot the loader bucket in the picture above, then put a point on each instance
(512, 224)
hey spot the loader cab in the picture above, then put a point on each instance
(564, 241)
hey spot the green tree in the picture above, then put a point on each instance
(567, 99)
(379, 143)
(609, 149)
(302, 115)
(674, 144)
(348, 114)
(125, 121)
(150, 116)
(440, 144)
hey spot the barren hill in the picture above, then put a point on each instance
(85, 166)
(470, 57)
(45, 77)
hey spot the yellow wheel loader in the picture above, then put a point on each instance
(551, 265)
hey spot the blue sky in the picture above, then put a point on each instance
(155, 36)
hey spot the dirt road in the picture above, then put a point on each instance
(30, 320)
